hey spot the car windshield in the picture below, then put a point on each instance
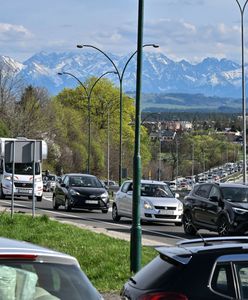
(235, 194)
(85, 181)
(34, 280)
(156, 190)
(23, 168)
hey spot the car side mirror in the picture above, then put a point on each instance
(62, 185)
(129, 192)
(214, 199)
(177, 195)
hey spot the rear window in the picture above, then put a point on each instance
(158, 273)
(31, 280)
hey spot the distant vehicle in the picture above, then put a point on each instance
(209, 269)
(157, 203)
(30, 272)
(49, 183)
(217, 207)
(23, 176)
(81, 191)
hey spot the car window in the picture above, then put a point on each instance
(242, 274)
(222, 280)
(235, 194)
(214, 192)
(156, 190)
(125, 187)
(203, 190)
(84, 181)
(34, 280)
(66, 180)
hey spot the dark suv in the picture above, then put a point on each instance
(217, 207)
(210, 269)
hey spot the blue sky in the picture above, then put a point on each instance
(184, 29)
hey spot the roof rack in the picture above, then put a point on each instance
(214, 240)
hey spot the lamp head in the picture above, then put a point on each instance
(155, 46)
(80, 46)
(59, 73)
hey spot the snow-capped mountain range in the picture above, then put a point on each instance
(211, 77)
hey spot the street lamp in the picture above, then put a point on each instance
(242, 10)
(88, 95)
(120, 77)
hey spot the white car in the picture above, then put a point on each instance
(157, 203)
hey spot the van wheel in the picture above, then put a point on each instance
(39, 198)
(188, 225)
(2, 196)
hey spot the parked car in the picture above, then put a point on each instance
(81, 191)
(29, 272)
(217, 207)
(157, 203)
(209, 269)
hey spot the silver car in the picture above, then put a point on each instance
(157, 203)
(29, 272)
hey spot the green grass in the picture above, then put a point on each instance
(105, 260)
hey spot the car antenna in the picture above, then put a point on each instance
(205, 243)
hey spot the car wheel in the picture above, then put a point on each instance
(188, 225)
(39, 198)
(105, 210)
(223, 226)
(2, 196)
(67, 205)
(115, 215)
(55, 204)
(178, 223)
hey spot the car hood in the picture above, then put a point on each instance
(161, 200)
(239, 204)
(88, 190)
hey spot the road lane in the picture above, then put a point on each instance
(155, 233)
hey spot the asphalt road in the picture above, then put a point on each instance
(153, 234)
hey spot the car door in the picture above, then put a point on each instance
(61, 190)
(212, 206)
(201, 203)
(123, 199)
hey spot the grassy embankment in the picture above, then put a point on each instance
(105, 260)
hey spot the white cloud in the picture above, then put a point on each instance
(13, 32)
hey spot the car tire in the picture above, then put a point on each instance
(223, 226)
(115, 215)
(55, 204)
(39, 198)
(105, 210)
(178, 224)
(188, 225)
(2, 196)
(67, 205)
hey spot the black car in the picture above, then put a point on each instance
(210, 269)
(217, 207)
(81, 191)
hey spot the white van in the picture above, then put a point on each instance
(23, 176)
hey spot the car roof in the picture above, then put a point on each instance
(146, 181)
(79, 174)
(11, 248)
(185, 249)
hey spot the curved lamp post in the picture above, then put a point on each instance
(242, 10)
(88, 95)
(120, 77)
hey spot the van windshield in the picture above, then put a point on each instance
(23, 168)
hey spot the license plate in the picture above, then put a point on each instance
(166, 212)
(24, 191)
(91, 201)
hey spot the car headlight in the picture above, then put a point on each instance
(180, 206)
(73, 192)
(8, 177)
(104, 196)
(240, 211)
(147, 205)
(37, 179)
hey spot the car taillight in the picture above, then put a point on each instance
(18, 256)
(163, 296)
